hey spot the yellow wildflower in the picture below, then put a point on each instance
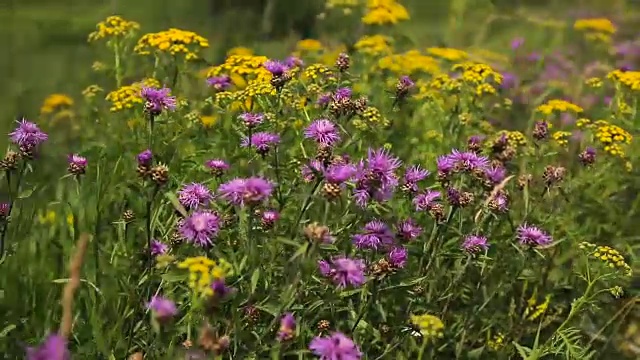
(534, 310)
(374, 45)
(561, 137)
(113, 26)
(173, 42)
(204, 271)
(309, 45)
(383, 12)
(128, 96)
(594, 82)
(448, 53)
(607, 255)
(599, 25)
(240, 51)
(55, 102)
(91, 91)
(496, 342)
(430, 326)
(409, 63)
(558, 105)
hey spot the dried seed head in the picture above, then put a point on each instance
(143, 170)
(252, 313)
(324, 325)
(524, 180)
(318, 233)
(323, 154)
(541, 130)
(437, 212)
(553, 175)
(381, 268)
(10, 161)
(360, 104)
(160, 174)
(331, 191)
(343, 62)
(128, 216)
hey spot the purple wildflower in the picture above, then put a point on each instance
(158, 100)
(293, 62)
(509, 80)
(194, 195)
(343, 93)
(249, 191)
(445, 165)
(275, 67)
(335, 346)
(219, 83)
(412, 176)
(408, 230)
(217, 166)
(376, 177)
(251, 120)
(145, 158)
(287, 327)
(324, 99)
(262, 141)
(495, 174)
(323, 131)
(200, 228)
(473, 244)
(268, 218)
(343, 271)
(588, 156)
(158, 248)
(374, 234)
(468, 160)
(339, 173)
(77, 164)
(397, 257)
(220, 289)
(162, 308)
(425, 200)
(517, 43)
(311, 170)
(54, 347)
(533, 236)
(28, 135)
(500, 203)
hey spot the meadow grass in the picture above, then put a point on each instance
(464, 190)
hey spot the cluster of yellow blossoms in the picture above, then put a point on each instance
(608, 255)
(383, 12)
(173, 42)
(430, 326)
(204, 271)
(556, 105)
(480, 76)
(598, 29)
(55, 102)
(629, 79)
(113, 26)
(449, 54)
(374, 45)
(242, 69)
(611, 137)
(408, 63)
(128, 96)
(534, 310)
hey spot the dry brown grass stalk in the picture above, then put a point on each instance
(494, 193)
(70, 288)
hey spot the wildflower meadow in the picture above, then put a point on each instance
(361, 197)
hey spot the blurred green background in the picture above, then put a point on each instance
(45, 48)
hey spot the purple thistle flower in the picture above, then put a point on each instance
(194, 195)
(587, 156)
(374, 234)
(249, 191)
(311, 170)
(343, 93)
(77, 164)
(28, 135)
(339, 173)
(158, 248)
(324, 99)
(495, 174)
(287, 327)
(343, 271)
(219, 83)
(533, 236)
(262, 141)
(499, 204)
(376, 177)
(145, 158)
(220, 289)
(335, 346)
(473, 244)
(162, 307)
(275, 67)
(269, 218)
(445, 165)
(54, 347)
(323, 131)
(200, 228)
(397, 257)
(408, 230)
(412, 176)
(509, 80)
(158, 100)
(293, 62)
(425, 200)
(251, 120)
(217, 166)
(469, 160)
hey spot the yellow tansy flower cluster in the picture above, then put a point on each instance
(630, 79)
(55, 102)
(596, 27)
(430, 326)
(612, 137)
(534, 310)
(496, 342)
(128, 96)
(309, 45)
(172, 41)
(240, 50)
(204, 271)
(91, 91)
(242, 69)
(371, 117)
(514, 138)
(383, 12)
(444, 82)
(608, 255)
(594, 82)
(113, 26)
(317, 72)
(448, 53)
(561, 137)
(480, 76)
(554, 105)
(374, 45)
(409, 63)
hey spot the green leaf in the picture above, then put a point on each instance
(176, 204)
(348, 293)
(25, 193)
(475, 353)
(7, 330)
(255, 277)
(173, 277)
